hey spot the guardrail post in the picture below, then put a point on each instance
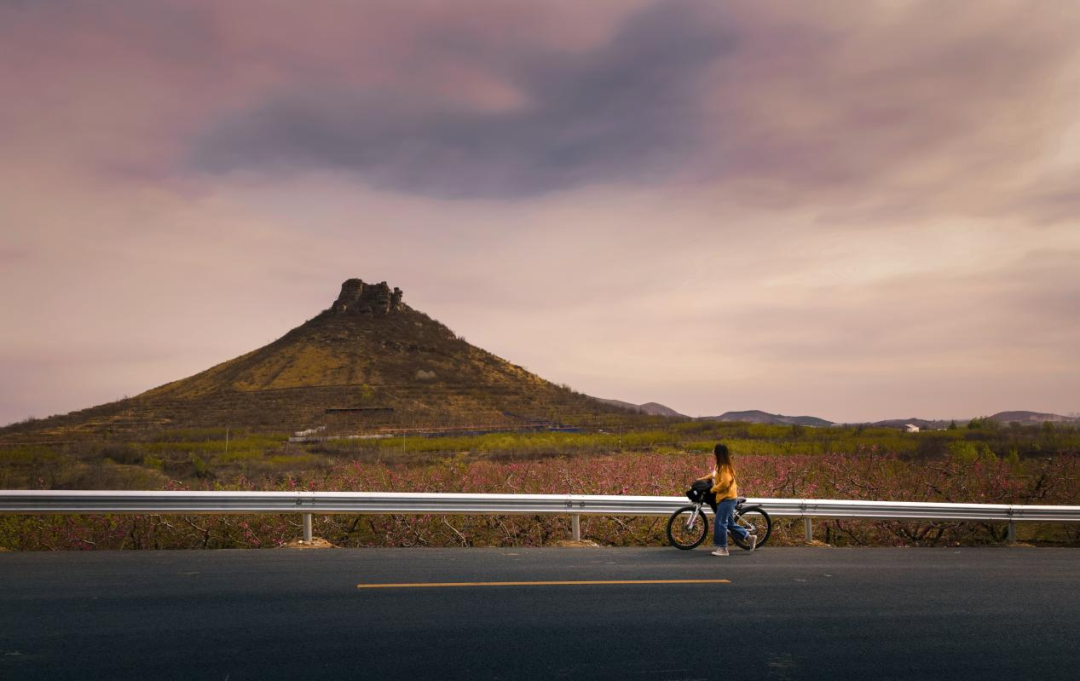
(809, 527)
(307, 528)
(576, 524)
(1012, 532)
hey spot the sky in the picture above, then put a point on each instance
(851, 210)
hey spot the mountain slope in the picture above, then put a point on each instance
(369, 359)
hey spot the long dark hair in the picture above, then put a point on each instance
(723, 458)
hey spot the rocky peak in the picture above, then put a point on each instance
(357, 297)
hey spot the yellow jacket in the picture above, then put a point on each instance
(724, 484)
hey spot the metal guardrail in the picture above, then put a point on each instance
(575, 505)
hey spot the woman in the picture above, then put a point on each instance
(726, 491)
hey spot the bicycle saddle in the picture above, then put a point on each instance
(740, 501)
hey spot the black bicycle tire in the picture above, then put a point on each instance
(704, 534)
(762, 539)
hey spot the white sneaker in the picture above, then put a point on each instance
(720, 551)
(752, 538)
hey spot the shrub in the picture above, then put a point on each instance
(961, 478)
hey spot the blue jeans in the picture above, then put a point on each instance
(725, 512)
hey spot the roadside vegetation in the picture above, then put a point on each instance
(983, 463)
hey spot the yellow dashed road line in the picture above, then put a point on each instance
(431, 585)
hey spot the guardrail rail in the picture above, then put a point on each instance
(574, 505)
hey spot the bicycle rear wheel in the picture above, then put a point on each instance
(756, 521)
(685, 531)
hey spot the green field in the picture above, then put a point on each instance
(220, 455)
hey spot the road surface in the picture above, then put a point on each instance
(649, 613)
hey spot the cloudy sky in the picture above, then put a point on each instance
(854, 210)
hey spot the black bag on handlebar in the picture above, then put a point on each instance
(699, 491)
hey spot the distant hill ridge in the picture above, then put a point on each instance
(368, 354)
(1025, 418)
(649, 408)
(757, 416)
(1030, 417)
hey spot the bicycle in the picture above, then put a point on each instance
(688, 527)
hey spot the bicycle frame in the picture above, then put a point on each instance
(697, 511)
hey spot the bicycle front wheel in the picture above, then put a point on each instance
(687, 529)
(755, 520)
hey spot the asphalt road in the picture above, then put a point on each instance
(785, 613)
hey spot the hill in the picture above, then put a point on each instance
(1024, 418)
(1029, 417)
(367, 361)
(649, 408)
(756, 416)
